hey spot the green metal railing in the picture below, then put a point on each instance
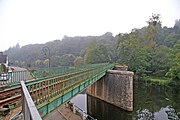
(56, 71)
(31, 79)
(55, 91)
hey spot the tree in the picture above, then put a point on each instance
(177, 23)
(55, 61)
(19, 63)
(78, 61)
(172, 39)
(132, 52)
(39, 63)
(157, 54)
(154, 25)
(46, 62)
(174, 57)
(3, 68)
(159, 63)
(76, 46)
(97, 53)
(67, 60)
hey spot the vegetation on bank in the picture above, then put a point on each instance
(158, 80)
(150, 51)
(3, 68)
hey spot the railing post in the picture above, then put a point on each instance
(28, 107)
(74, 108)
(84, 116)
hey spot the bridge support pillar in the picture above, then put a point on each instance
(115, 88)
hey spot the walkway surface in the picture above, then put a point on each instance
(12, 113)
(62, 113)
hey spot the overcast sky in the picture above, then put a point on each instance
(39, 21)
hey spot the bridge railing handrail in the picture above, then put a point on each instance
(48, 88)
(7, 78)
(56, 71)
(30, 111)
(28, 83)
(48, 92)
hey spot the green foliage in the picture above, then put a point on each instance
(174, 57)
(97, 53)
(154, 19)
(77, 46)
(132, 52)
(159, 80)
(145, 50)
(154, 25)
(67, 60)
(157, 53)
(78, 61)
(158, 60)
(172, 39)
(3, 68)
(46, 62)
(55, 61)
(39, 63)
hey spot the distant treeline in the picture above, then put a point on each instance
(153, 50)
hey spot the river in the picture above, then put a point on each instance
(151, 102)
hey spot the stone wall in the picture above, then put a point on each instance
(105, 111)
(115, 88)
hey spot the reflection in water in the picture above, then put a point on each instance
(104, 111)
(155, 102)
(151, 102)
(81, 101)
(171, 113)
(144, 114)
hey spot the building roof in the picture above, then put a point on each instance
(3, 58)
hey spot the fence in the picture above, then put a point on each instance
(56, 71)
(14, 77)
(28, 107)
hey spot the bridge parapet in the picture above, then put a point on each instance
(49, 93)
(28, 107)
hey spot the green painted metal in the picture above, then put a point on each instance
(69, 88)
(51, 105)
(64, 75)
(56, 71)
(51, 92)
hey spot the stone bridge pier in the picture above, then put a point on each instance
(115, 88)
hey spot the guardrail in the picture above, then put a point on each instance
(41, 86)
(56, 71)
(53, 92)
(14, 77)
(28, 107)
(44, 91)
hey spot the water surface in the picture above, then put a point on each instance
(151, 102)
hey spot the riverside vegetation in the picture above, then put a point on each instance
(152, 52)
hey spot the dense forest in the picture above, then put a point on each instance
(151, 50)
